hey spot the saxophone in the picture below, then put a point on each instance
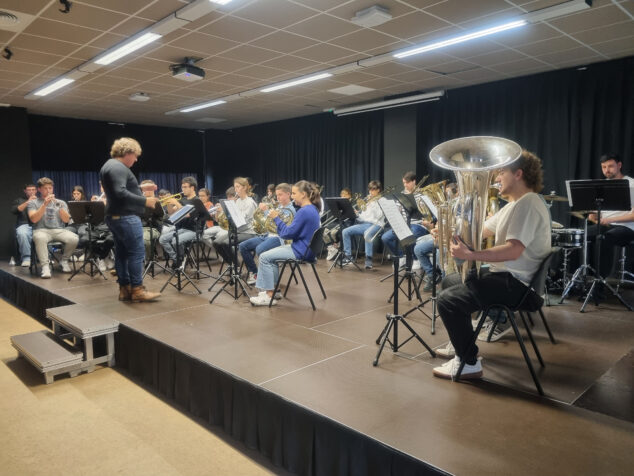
(473, 161)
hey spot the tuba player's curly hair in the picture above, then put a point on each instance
(532, 172)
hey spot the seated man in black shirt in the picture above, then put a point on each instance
(23, 229)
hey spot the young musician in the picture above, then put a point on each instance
(23, 229)
(124, 206)
(522, 241)
(50, 217)
(78, 194)
(368, 222)
(204, 194)
(261, 243)
(301, 231)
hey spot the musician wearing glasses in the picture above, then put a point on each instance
(264, 242)
(186, 228)
(368, 224)
(418, 227)
(522, 241)
(301, 230)
(50, 217)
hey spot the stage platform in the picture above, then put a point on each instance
(299, 385)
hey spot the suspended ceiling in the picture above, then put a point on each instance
(249, 44)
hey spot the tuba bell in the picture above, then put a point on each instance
(473, 160)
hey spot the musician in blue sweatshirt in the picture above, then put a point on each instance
(301, 230)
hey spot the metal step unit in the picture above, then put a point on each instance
(70, 347)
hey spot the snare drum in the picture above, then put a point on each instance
(567, 238)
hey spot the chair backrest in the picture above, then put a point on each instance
(532, 299)
(315, 243)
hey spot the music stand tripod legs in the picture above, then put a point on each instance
(179, 272)
(580, 274)
(152, 261)
(433, 298)
(393, 321)
(232, 271)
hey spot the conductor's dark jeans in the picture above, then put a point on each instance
(129, 250)
(457, 301)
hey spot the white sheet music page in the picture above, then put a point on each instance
(238, 218)
(431, 206)
(395, 219)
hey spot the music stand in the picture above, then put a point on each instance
(341, 209)
(152, 216)
(232, 271)
(201, 216)
(179, 271)
(91, 214)
(598, 195)
(406, 238)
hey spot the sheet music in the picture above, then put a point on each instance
(178, 216)
(234, 213)
(395, 219)
(431, 206)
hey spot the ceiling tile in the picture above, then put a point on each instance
(348, 10)
(363, 40)
(262, 72)
(413, 76)
(414, 24)
(389, 69)
(284, 42)
(458, 11)
(611, 32)
(200, 44)
(323, 27)
(425, 60)
(159, 10)
(204, 20)
(31, 7)
(324, 53)
(291, 63)
(86, 53)
(224, 65)
(477, 75)
(616, 48)
(519, 66)
(236, 29)
(572, 56)
(250, 54)
(132, 26)
(123, 6)
(497, 57)
(61, 31)
(548, 46)
(147, 64)
(168, 53)
(35, 43)
(238, 80)
(322, 5)
(588, 19)
(526, 34)
(35, 57)
(108, 40)
(85, 16)
(5, 36)
(275, 13)
(136, 74)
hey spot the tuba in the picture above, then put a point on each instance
(473, 160)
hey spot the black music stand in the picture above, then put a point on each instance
(179, 271)
(341, 209)
(91, 214)
(432, 298)
(202, 215)
(152, 217)
(394, 318)
(599, 195)
(232, 271)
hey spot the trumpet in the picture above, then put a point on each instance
(177, 196)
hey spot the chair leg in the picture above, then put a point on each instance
(527, 359)
(318, 280)
(292, 267)
(532, 339)
(550, 334)
(301, 275)
(530, 319)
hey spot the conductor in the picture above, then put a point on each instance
(124, 206)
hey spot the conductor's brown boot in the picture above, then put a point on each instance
(140, 294)
(125, 292)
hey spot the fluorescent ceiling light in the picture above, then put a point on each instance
(128, 48)
(404, 101)
(203, 106)
(555, 11)
(295, 82)
(220, 2)
(460, 39)
(60, 83)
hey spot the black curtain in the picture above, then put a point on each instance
(568, 118)
(334, 152)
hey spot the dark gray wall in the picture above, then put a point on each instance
(15, 171)
(399, 142)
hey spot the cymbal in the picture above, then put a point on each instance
(578, 215)
(557, 225)
(555, 198)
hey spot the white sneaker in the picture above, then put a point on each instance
(332, 252)
(262, 299)
(46, 271)
(26, 263)
(448, 352)
(12, 261)
(251, 279)
(415, 265)
(501, 329)
(449, 370)
(65, 266)
(109, 263)
(402, 262)
(101, 265)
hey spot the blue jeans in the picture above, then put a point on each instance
(390, 240)
(168, 241)
(127, 232)
(259, 244)
(358, 230)
(424, 246)
(268, 271)
(24, 237)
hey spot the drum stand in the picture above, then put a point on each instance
(581, 273)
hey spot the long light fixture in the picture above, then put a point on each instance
(128, 48)
(60, 83)
(203, 106)
(460, 39)
(295, 82)
(220, 2)
(390, 103)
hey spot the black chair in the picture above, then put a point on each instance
(531, 301)
(53, 247)
(295, 266)
(624, 275)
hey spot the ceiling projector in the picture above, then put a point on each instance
(187, 71)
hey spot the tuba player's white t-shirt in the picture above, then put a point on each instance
(526, 220)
